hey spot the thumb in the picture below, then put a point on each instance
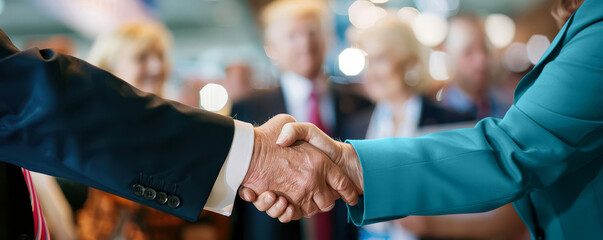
(293, 132)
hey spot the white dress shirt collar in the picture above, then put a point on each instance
(382, 121)
(296, 91)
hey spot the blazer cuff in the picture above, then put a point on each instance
(222, 196)
(368, 210)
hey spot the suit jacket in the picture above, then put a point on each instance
(258, 108)
(63, 117)
(545, 155)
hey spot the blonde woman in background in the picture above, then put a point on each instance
(138, 53)
(395, 77)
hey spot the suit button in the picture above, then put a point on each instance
(162, 198)
(150, 194)
(173, 201)
(138, 189)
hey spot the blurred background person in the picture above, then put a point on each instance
(471, 89)
(395, 77)
(139, 53)
(296, 37)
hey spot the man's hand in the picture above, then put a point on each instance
(303, 177)
(342, 154)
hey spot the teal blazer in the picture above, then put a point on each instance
(545, 155)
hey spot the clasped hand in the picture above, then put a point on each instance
(301, 172)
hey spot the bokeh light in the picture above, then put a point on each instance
(407, 14)
(516, 58)
(439, 7)
(500, 29)
(213, 97)
(352, 61)
(536, 47)
(364, 14)
(430, 29)
(439, 65)
(379, 1)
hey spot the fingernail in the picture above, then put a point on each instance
(246, 196)
(280, 139)
(279, 204)
(269, 199)
(330, 208)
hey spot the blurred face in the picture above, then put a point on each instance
(383, 77)
(297, 45)
(472, 63)
(146, 70)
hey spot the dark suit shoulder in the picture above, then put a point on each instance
(348, 98)
(259, 106)
(353, 111)
(433, 113)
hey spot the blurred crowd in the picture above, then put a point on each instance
(397, 96)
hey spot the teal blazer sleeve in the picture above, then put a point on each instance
(63, 117)
(554, 128)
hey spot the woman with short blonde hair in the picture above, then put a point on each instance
(138, 52)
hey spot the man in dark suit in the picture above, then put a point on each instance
(296, 39)
(63, 117)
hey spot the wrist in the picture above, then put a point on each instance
(257, 153)
(351, 164)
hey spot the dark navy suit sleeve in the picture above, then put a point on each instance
(63, 117)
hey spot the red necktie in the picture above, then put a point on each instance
(41, 229)
(322, 221)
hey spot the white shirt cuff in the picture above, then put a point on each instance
(222, 196)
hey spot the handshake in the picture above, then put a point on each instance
(301, 172)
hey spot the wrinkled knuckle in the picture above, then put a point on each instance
(272, 214)
(286, 117)
(340, 183)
